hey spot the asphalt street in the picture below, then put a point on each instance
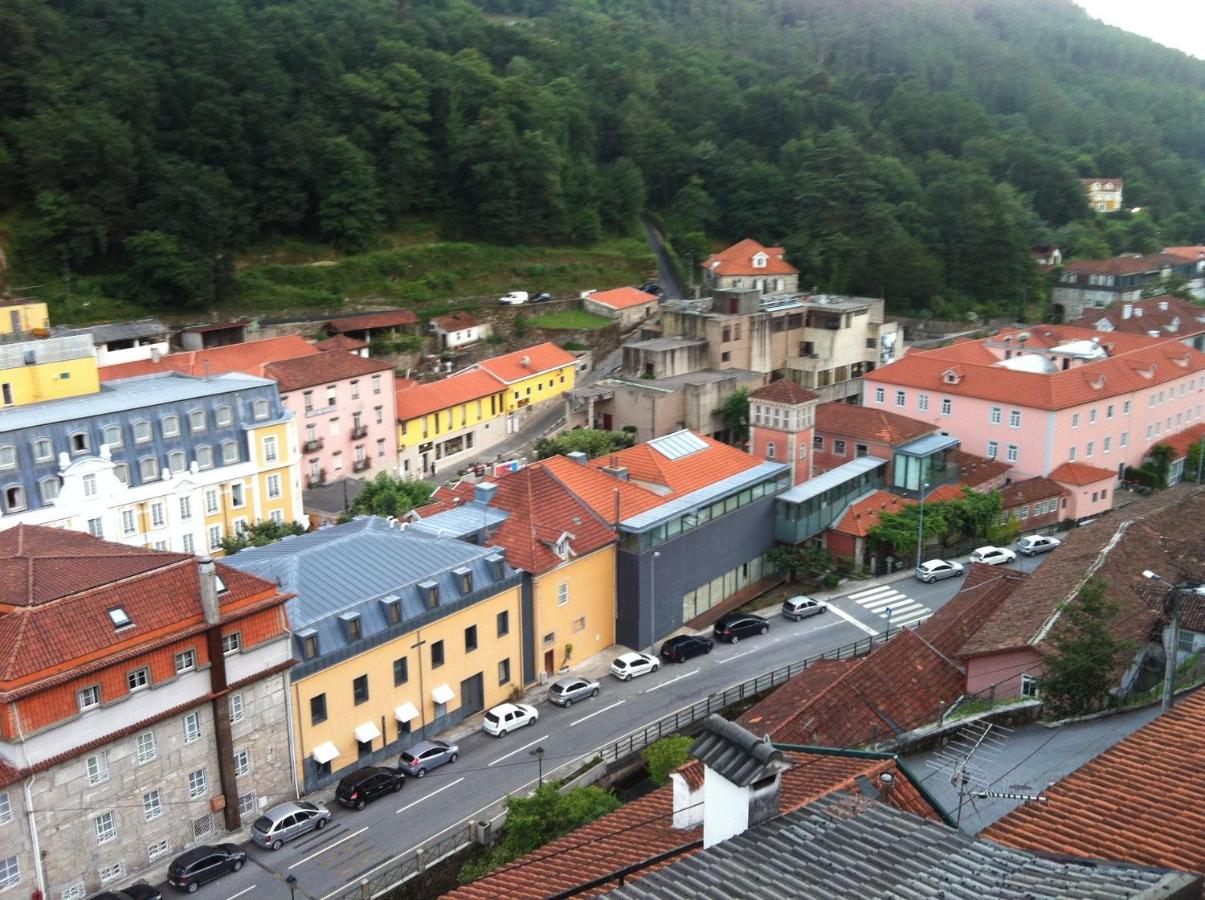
(357, 844)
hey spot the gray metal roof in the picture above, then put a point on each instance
(50, 350)
(849, 846)
(814, 487)
(735, 753)
(125, 394)
(928, 445)
(684, 504)
(119, 331)
(461, 521)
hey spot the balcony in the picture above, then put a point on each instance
(361, 464)
(316, 479)
(358, 432)
(313, 445)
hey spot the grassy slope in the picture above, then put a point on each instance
(574, 319)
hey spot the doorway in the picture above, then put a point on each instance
(549, 661)
(472, 694)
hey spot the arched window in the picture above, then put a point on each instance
(8, 456)
(49, 488)
(14, 498)
(177, 461)
(196, 420)
(113, 436)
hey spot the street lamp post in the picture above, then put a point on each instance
(422, 696)
(920, 528)
(291, 881)
(1173, 636)
(538, 753)
(653, 598)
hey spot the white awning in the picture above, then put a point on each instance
(405, 712)
(443, 694)
(367, 732)
(324, 753)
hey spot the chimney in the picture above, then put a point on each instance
(1127, 310)
(484, 492)
(577, 456)
(223, 740)
(155, 354)
(741, 778)
(614, 468)
(525, 362)
(688, 796)
(209, 591)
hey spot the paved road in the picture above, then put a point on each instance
(665, 272)
(357, 843)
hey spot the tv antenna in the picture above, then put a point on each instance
(969, 759)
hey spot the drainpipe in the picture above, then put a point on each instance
(39, 872)
(290, 737)
(217, 686)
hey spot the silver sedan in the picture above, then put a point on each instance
(568, 691)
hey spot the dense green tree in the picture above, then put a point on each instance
(1086, 658)
(349, 208)
(261, 534)
(593, 442)
(389, 495)
(621, 194)
(734, 412)
(663, 756)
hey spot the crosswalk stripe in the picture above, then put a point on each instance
(913, 617)
(901, 609)
(884, 602)
(871, 592)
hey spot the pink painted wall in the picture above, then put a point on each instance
(333, 425)
(1090, 499)
(826, 458)
(787, 447)
(1004, 670)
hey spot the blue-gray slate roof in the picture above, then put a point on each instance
(849, 846)
(462, 521)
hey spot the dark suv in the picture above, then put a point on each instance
(684, 646)
(734, 626)
(367, 784)
(190, 870)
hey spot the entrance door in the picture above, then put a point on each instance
(472, 694)
(549, 661)
(607, 421)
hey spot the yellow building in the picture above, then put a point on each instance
(444, 421)
(532, 375)
(400, 635)
(35, 371)
(23, 316)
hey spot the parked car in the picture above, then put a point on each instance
(361, 786)
(542, 297)
(199, 865)
(139, 890)
(632, 665)
(651, 287)
(684, 646)
(288, 820)
(1035, 544)
(992, 556)
(797, 608)
(507, 717)
(514, 298)
(427, 755)
(937, 569)
(734, 626)
(568, 691)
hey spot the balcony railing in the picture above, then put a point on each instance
(361, 464)
(312, 445)
(316, 478)
(359, 431)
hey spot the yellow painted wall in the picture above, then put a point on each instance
(540, 387)
(282, 466)
(29, 316)
(343, 714)
(591, 583)
(51, 381)
(463, 415)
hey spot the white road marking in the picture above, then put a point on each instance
(884, 602)
(597, 712)
(911, 618)
(871, 592)
(432, 794)
(672, 680)
(720, 662)
(901, 608)
(850, 619)
(240, 893)
(329, 846)
(516, 750)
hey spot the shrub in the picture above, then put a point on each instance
(663, 756)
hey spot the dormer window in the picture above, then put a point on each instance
(309, 643)
(119, 618)
(951, 376)
(562, 546)
(391, 608)
(759, 260)
(351, 626)
(429, 592)
(464, 579)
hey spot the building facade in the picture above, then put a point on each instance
(626, 305)
(459, 329)
(1087, 284)
(782, 418)
(443, 422)
(531, 377)
(748, 264)
(22, 316)
(144, 709)
(1104, 194)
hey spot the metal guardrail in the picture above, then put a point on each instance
(394, 872)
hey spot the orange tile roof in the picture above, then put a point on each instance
(341, 342)
(1080, 474)
(976, 470)
(863, 514)
(622, 298)
(1186, 318)
(1139, 801)
(512, 367)
(322, 368)
(414, 399)
(869, 424)
(1124, 265)
(249, 357)
(1028, 490)
(1182, 441)
(738, 260)
(599, 490)
(784, 391)
(1153, 361)
(457, 321)
(387, 318)
(445, 497)
(1195, 252)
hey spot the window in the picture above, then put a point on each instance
(242, 762)
(158, 515)
(187, 543)
(223, 416)
(993, 449)
(204, 457)
(238, 494)
(211, 502)
(113, 436)
(186, 507)
(186, 661)
(177, 462)
(376, 384)
(271, 453)
(142, 431)
(277, 516)
(192, 727)
(148, 468)
(470, 639)
(145, 744)
(6, 808)
(351, 626)
(504, 671)
(901, 398)
(1107, 446)
(260, 409)
(43, 450)
(14, 497)
(359, 689)
(236, 708)
(879, 395)
(106, 829)
(74, 891)
(770, 450)
(1014, 418)
(1125, 408)
(1012, 453)
(273, 487)
(437, 654)
(159, 849)
(80, 442)
(231, 643)
(355, 389)
(1030, 686)
(197, 784)
(839, 448)
(1091, 417)
(89, 697)
(229, 452)
(246, 804)
(401, 671)
(10, 867)
(562, 593)
(121, 472)
(1071, 455)
(138, 679)
(152, 804)
(318, 709)
(97, 768)
(947, 407)
(170, 426)
(8, 456)
(1075, 420)
(1088, 449)
(503, 623)
(381, 447)
(96, 527)
(309, 645)
(922, 402)
(112, 873)
(49, 488)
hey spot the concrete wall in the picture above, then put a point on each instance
(664, 362)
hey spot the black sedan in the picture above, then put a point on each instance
(190, 870)
(734, 626)
(361, 786)
(684, 646)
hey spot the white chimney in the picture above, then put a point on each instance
(155, 354)
(525, 362)
(688, 797)
(209, 591)
(1127, 310)
(740, 779)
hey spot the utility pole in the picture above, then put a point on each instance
(1173, 635)
(920, 528)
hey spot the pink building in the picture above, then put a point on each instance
(781, 419)
(845, 432)
(344, 407)
(1038, 398)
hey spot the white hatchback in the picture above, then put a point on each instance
(507, 717)
(992, 556)
(633, 664)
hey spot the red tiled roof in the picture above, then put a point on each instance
(1181, 441)
(512, 367)
(622, 298)
(784, 392)
(1081, 474)
(341, 342)
(644, 828)
(863, 515)
(1194, 252)
(778, 710)
(1123, 265)
(457, 321)
(738, 260)
(984, 590)
(1029, 490)
(541, 510)
(322, 368)
(1139, 801)
(869, 424)
(445, 497)
(388, 318)
(1180, 318)
(976, 470)
(250, 358)
(414, 399)
(599, 490)
(1152, 361)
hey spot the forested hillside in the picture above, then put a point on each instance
(910, 148)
